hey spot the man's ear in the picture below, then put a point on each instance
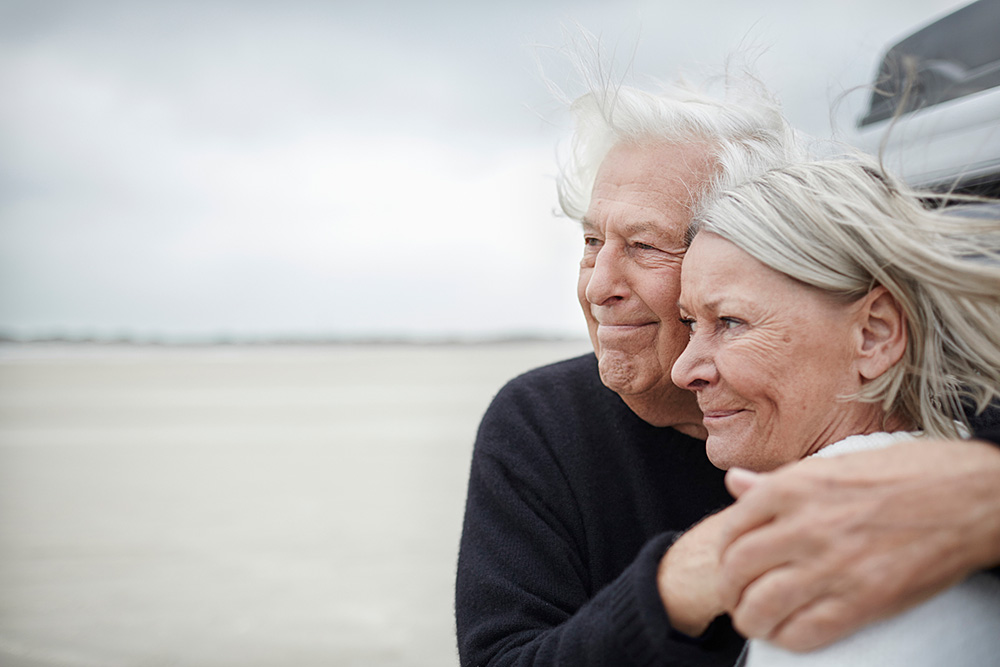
(883, 334)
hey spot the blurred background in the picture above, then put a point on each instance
(262, 267)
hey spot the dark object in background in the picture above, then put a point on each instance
(934, 112)
(956, 56)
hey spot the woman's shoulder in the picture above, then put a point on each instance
(957, 627)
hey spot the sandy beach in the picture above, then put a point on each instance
(238, 506)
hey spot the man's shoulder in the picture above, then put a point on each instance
(568, 386)
(578, 370)
(565, 400)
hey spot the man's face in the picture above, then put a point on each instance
(630, 275)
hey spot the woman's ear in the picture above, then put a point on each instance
(883, 333)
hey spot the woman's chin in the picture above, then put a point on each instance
(729, 452)
(724, 453)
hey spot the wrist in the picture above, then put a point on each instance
(686, 579)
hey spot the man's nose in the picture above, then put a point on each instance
(695, 367)
(607, 280)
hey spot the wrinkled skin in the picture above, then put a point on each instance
(930, 512)
(770, 359)
(630, 275)
(819, 548)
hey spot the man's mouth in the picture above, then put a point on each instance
(622, 326)
(608, 334)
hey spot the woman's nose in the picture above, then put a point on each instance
(694, 369)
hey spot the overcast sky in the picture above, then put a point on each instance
(300, 168)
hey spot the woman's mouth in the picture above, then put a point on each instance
(718, 415)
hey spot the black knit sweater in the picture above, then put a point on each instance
(572, 502)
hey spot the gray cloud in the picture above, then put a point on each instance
(248, 166)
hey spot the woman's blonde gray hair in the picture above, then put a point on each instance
(845, 226)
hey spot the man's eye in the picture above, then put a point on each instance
(730, 322)
(643, 246)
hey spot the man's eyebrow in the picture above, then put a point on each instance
(661, 232)
(642, 227)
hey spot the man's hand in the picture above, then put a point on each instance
(817, 549)
(688, 577)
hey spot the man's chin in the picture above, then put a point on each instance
(623, 376)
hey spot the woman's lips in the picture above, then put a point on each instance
(719, 415)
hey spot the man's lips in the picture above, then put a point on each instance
(622, 326)
(625, 334)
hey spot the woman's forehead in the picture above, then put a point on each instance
(717, 273)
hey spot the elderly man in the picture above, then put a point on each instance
(586, 472)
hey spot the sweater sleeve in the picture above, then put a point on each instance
(523, 594)
(991, 434)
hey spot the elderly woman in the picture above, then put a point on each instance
(829, 312)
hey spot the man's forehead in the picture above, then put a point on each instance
(662, 217)
(651, 188)
(659, 228)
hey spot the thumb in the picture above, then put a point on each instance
(739, 480)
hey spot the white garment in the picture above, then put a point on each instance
(959, 627)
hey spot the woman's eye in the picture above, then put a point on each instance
(642, 246)
(689, 323)
(591, 241)
(730, 322)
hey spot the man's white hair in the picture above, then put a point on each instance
(742, 129)
(845, 226)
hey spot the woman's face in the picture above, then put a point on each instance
(768, 359)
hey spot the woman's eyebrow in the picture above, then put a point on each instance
(711, 304)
